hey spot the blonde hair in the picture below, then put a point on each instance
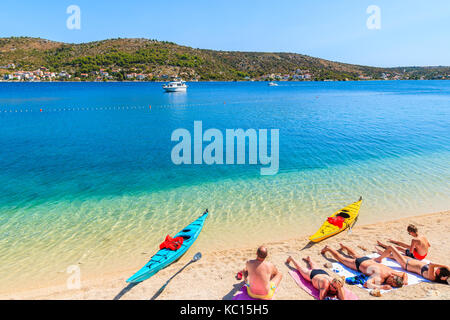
(339, 279)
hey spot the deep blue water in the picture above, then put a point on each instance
(57, 154)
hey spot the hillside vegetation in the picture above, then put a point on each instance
(159, 60)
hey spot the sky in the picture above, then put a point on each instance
(410, 33)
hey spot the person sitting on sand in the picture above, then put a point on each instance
(380, 276)
(261, 277)
(431, 271)
(320, 279)
(418, 249)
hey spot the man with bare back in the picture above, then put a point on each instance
(380, 276)
(261, 276)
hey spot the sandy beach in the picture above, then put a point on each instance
(213, 277)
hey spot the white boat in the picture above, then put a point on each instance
(175, 86)
(273, 84)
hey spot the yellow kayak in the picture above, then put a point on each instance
(350, 215)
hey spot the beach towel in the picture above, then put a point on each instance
(243, 295)
(308, 287)
(359, 279)
(349, 273)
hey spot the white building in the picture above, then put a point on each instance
(64, 74)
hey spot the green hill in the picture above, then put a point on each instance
(159, 60)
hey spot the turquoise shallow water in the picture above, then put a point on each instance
(89, 181)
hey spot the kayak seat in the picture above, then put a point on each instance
(343, 215)
(186, 237)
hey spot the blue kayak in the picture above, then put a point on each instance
(165, 257)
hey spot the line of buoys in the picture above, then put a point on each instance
(43, 109)
(15, 110)
(72, 109)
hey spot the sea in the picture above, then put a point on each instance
(87, 177)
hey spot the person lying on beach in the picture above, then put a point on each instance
(417, 249)
(261, 277)
(380, 276)
(320, 279)
(431, 271)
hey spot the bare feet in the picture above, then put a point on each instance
(308, 261)
(324, 250)
(380, 244)
(346, 249)
(289, 259)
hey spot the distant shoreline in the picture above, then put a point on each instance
(122, 59)
(206, 81)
